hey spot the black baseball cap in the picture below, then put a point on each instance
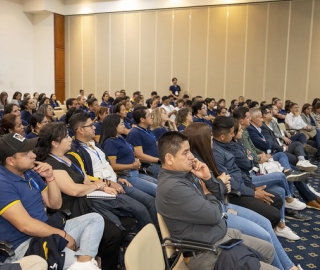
(15, 143)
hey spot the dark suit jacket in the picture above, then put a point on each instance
(271, 138)
(258, 139)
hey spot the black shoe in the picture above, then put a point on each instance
(297, 215)
(295, 176)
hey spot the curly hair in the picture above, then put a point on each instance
(49, 133)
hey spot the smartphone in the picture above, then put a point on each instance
(230, 243)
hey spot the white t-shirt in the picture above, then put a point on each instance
(169, 109)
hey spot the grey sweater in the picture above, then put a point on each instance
(187, 212)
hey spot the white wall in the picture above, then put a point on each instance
(26, 50)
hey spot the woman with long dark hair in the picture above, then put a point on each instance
(28, 108)
(121, 155)
(120, 109)
(245, 220)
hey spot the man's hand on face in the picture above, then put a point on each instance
(201, 170)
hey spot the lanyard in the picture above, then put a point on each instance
(32, 181)
(150, 135)
(128, 144)
(92, 150)
(63, 161)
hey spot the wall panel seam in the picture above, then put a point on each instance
(309, 53)
(172, 34)
(266, 54)
(109, 81)
(226, 55)
(245, 53)
(207, 50)
(189, 50)
(155, 51)
(287, 54)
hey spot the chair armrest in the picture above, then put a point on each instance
(189, 245)
(122, 173)
(7, 248)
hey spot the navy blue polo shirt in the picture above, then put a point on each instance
(31, 135)
(181, 127)
(98, 126)
(14, 189)
(117, 148)
(213, 112)
(104, 104)
(26, 116)
(62, 118)
(127, 123)
(140, 137)
(202, 120)
(92, 115)
(175, 89)
(283, 112)
(158, 132)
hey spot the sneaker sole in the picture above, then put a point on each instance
(298, 209)
(307, 169)
(301, 177)
(287, 237)
(312, 207)
(298, 219)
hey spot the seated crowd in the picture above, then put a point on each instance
(214, 173)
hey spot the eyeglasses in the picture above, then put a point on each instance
(149, 115)
(91, 125)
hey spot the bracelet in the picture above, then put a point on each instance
(48, 181)
(102, 187)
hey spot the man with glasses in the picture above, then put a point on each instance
(199, 111)
(144, 142)
(266, 141)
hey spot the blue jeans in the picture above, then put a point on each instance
(86, 230)
(142, 182)
(300, 137)
(154, 169)
(282, 159)
(253, 224)
(276, 182)
(142, 205)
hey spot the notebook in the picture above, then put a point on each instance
(101, 195)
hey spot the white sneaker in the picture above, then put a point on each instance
(295, 205)
(299, 267)
(90, 265)
(313, 190)
(286, 232)
(305, 165)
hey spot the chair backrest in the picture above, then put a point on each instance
(170, 250)
(165, 233)
(282, 126)
(144, 251)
